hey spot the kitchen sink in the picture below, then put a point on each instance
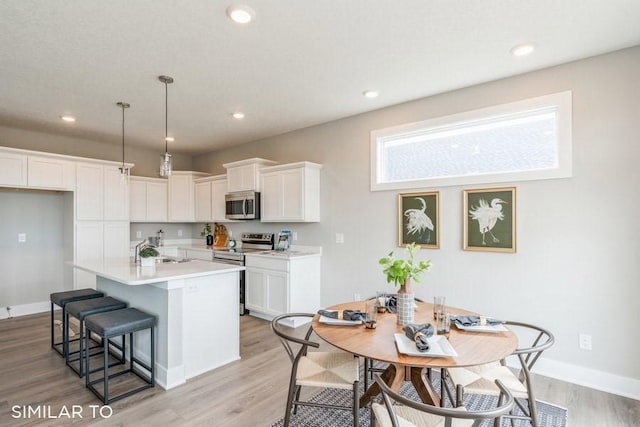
(172, 260)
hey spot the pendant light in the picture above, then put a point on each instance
(166, 161)
(124, 171)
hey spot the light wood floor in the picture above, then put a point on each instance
(250, 392)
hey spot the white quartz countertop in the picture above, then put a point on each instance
(290, 254)
(123, 270)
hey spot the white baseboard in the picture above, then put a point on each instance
(587, 377)
(25, 309)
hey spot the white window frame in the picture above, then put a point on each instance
(561, 101)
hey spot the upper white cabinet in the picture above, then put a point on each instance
(182, 195)
(101, 193)
(148, 199)
(13, 169)
(243, 175)
(89, 191)
(116, 194)
(51, 172)
(209, 194)
(291, 192)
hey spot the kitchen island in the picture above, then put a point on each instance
(196, 305)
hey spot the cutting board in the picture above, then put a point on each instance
(220, 235)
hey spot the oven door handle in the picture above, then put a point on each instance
(227, 261)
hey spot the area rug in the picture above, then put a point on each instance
(307, 416)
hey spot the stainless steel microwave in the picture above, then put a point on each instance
(242, 205)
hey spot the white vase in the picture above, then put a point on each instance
(148, 261)
(405, 309)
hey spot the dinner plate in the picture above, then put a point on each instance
(481, 328)
(332, 321)
(439, 346)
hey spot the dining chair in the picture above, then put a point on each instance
(405, 412)
(480, 379)
(335, 370)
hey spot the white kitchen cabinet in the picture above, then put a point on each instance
(243, 175)
(51, 173)
(99, 241)
(182, 195)
(290, 193)
(101, 193)
(89, 247)
(277, 285)
(89, 192)
(13, 169)
(209, 195)
(148, 199)
(116, 194)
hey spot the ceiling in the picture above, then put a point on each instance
(299, 63)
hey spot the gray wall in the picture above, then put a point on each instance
(35, 268)
(575, 270)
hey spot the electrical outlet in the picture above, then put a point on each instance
(585, 342)
(138, 234)
(339, 237)
(356, 297)
(294, 235)
(22, 237)
(179, 233)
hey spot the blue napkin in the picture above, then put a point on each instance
(474, 320)
(352, 315)
(419, 334)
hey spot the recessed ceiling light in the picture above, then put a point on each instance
(68, 119)
(241, 14)
(170, 139)
(523, 49)
(370, 93)
(238, 115)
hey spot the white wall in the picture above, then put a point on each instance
(578, 238)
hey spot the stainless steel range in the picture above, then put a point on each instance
(251, 242)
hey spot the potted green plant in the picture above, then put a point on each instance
(402, 272)
(206, 231)
(147, 256)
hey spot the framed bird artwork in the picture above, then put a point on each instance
(419, 219)
(489, 219)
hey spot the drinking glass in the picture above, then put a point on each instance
(443, 323)
(371, 314)
(438, 306)
(381, 301)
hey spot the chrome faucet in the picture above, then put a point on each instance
(136, 256)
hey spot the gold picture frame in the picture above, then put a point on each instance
(419, 219)
(489, 219)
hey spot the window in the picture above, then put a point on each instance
(524, 140)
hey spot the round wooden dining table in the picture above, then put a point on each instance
(472, 348)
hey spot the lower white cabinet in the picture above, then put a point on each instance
(276, 286)
(97, 241)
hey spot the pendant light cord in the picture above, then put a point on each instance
(166, 118)
(123, 107)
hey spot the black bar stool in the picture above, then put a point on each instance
(80, 310)
(61, 299)
(119, 323)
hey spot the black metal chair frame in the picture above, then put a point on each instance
(293, 396)
(527, 356)
(78, 355)
(65, 326)
(504, 405)
(148, 379)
